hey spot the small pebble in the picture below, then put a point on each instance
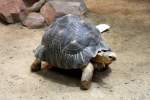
(126, 83)
(133, 80)
(41, 97)
(110, 90)
(10, 57)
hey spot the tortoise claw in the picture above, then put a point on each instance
(85, 85)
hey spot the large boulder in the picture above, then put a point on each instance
(34, 20)
(12, 11)
(48, 12)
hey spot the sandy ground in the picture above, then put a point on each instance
(129, 78)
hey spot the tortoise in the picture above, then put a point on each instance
(71, 43)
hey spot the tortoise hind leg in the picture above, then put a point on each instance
(36, 65)
(87, 75)
(46, 66)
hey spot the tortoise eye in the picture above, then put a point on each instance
(104, 50)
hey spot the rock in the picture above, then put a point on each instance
(48, 13)
(83, 8)
(34, 20)
(68, 7)
(12, 11)
(59, 14)
(36, 6)
(30, 2)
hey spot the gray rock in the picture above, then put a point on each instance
(68, 7)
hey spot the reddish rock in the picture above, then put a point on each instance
(12, 11)
(34, 20)
(48, 12)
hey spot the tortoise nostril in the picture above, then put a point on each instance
(113, 58)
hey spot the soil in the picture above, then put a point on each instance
(128, 78)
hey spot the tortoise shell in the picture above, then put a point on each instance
(70, 43)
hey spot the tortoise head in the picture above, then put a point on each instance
(105, 57)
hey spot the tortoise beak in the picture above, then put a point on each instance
(112, 56)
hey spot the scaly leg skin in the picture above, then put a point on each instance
(101, 67)
(45, 65)
(105, 68)
(87, 75)
(36, 65)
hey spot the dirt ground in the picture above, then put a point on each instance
(128, 79)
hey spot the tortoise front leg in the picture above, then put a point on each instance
(87, 75)
(36, 65)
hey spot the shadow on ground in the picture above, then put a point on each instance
(72, 77)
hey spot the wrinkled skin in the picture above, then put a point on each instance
(105, 58)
